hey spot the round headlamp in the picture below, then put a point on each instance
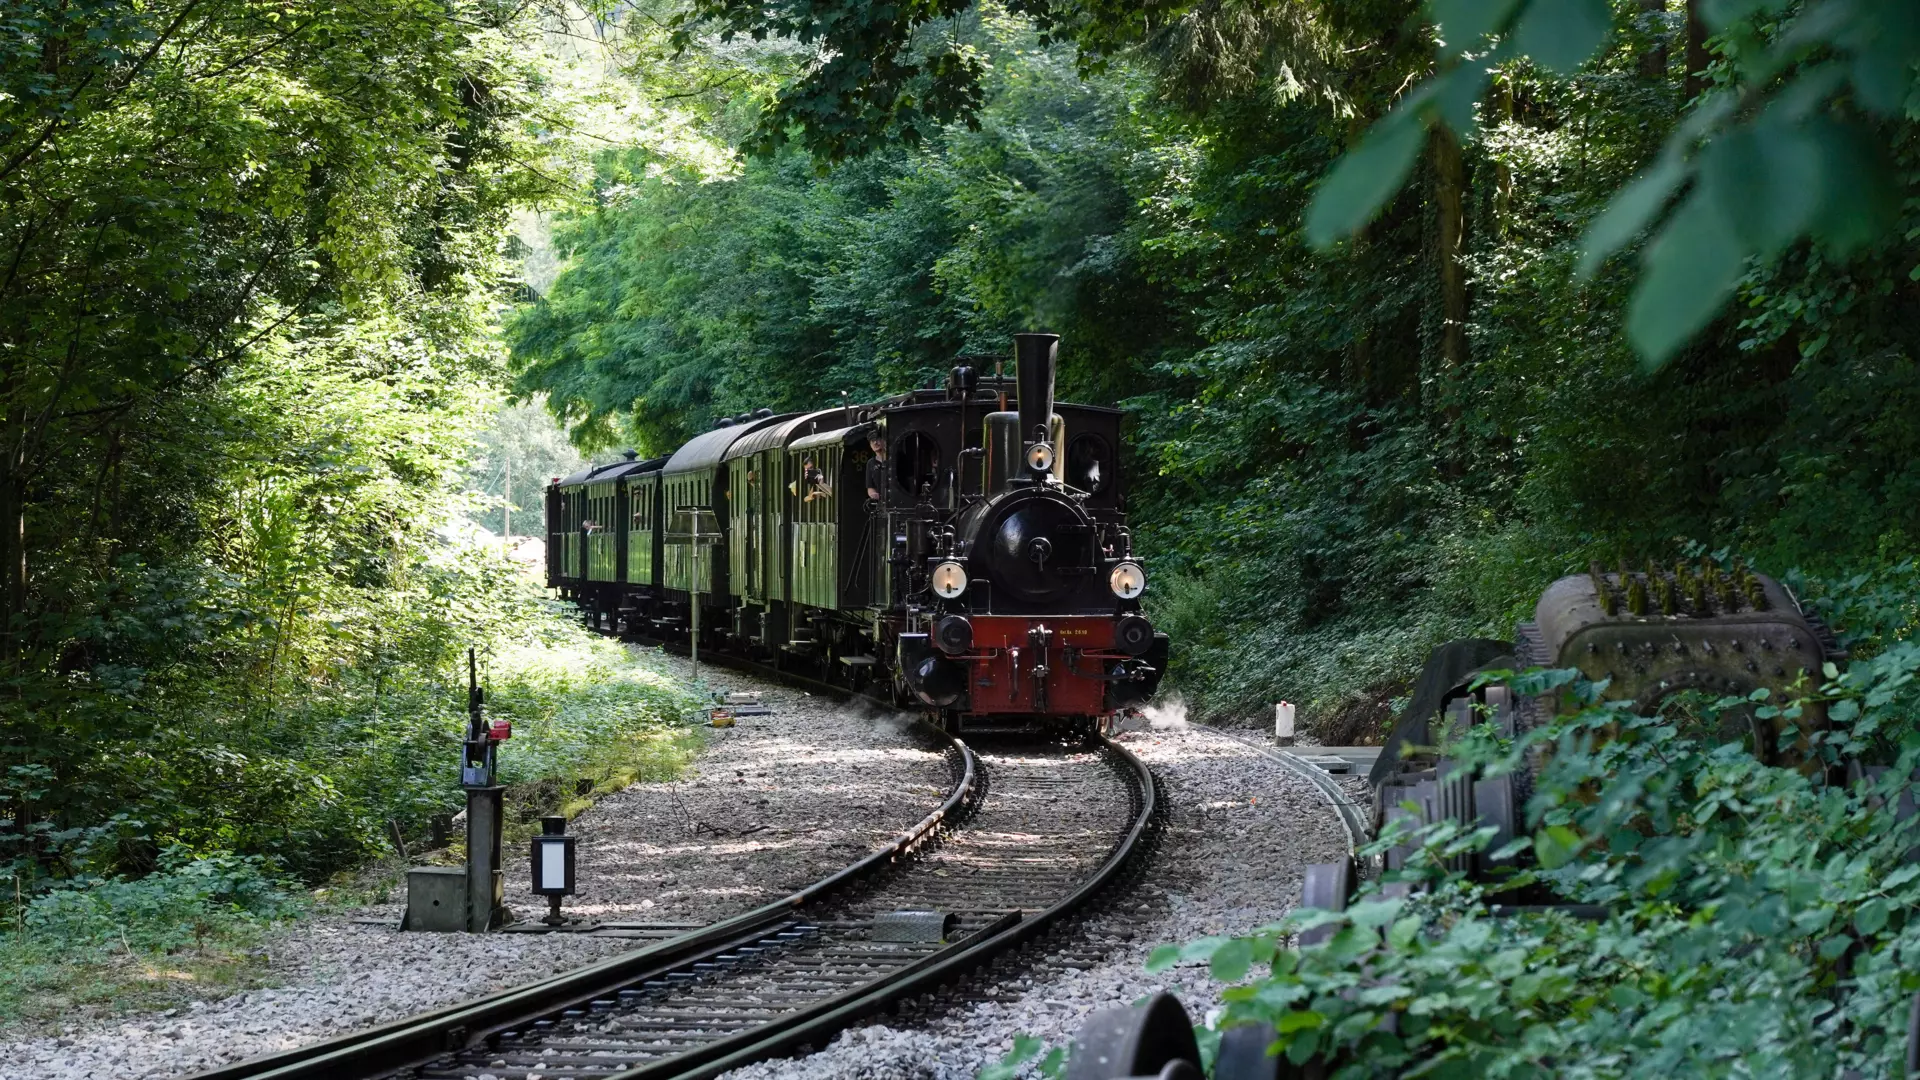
(949, 580)
(1040, 457)
(1127, 580)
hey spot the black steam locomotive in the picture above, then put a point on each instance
(938, 545)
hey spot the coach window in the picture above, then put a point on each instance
(1089, 463)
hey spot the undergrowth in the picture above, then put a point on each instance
(246, 810)
(1758, 919)
(194, 927)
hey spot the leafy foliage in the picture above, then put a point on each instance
(248, 333)
(1785, 148)
(165, 910)
(1753, 920)
(1340, 458)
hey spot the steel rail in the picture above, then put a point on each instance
(832, 1016)
(1351, 817)
(403, 1043)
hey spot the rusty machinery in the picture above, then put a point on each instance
(1649, 636)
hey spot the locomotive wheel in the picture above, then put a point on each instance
(1152, 1040)
(1500, 701)
(1493, 804)
(1454, 802)
(1329, 887)
(1243, 1055)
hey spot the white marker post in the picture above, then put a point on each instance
(1283, 722)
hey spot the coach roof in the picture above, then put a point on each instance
(776, 436)
(709, 448)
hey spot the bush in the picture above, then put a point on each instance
(178, 905)
(314, 773)
(1759, 917)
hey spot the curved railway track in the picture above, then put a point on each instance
(1027, 835)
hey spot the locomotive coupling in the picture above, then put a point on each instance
(953, 634)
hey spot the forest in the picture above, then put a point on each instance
(1414, 307)
(1343, 456)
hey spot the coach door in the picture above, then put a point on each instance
(754, 541)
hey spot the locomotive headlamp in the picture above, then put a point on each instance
(949, 580)
(1127, 580)
(1040, 457)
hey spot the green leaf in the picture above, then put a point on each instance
(1231, 961)
(1765, 178)
(1719, 15)
(1404, 932)
(1901, 876)
(1871, 918)
(1631, 210)
(1300, 1020)
(1688, 272)
(1457, 92)
(1203, 948)
(1365, 178)
(1463, 23)
(1861, 198)
(1555, 846)
(1375, 913)
(1162, 958)
(1561, 34)
(1024, 1048)
(1882, 74)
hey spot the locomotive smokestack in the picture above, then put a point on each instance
(1036, 354)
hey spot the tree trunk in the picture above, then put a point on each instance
(13, 544)
(1360, 355)
(1449, 196)
(1653, 62)
(1698, 57)
(1502, 172)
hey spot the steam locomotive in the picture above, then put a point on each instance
(936, 546)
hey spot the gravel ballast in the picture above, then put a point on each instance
(773, 803)
(1240, 830)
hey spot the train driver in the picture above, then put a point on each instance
(876, 465)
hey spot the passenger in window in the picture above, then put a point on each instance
(817, 486)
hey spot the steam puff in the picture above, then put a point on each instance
(1171, 712)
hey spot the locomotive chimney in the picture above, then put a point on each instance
(1036, 354)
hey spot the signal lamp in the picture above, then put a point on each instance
(1040, 457)
(1127, 580)
(949, 580)
(553, 865)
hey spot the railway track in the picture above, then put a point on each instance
(1029, 833)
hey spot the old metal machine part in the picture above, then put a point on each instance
(914, 926)
(1154, 1041)
(1649, 635)
(1655, 633)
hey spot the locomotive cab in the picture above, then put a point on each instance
(1034, 596)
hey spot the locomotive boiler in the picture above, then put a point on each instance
(963, 548)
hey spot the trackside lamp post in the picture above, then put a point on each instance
(553, 866)
(486, 885)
